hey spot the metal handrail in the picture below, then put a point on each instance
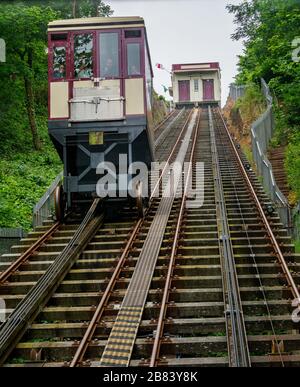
(236, 91)
(44, 208)
(261, 132)
(293, 286)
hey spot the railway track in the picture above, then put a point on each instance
(218, 289)
(11, 266)
(161, 126)
(109, 243)
(174, 119)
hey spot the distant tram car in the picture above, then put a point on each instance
(100, 98)
(196, 84)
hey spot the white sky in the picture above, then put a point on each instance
(183, 31)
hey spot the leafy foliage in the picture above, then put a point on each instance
(70, 8)
(24, 177)
(292, 162)
(26, 52)
(26, 173)
(160, 108)
(268, 29)
(252, 104)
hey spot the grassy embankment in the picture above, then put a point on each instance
(242, 114)
(25, 174)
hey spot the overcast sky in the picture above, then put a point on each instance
(183, 31)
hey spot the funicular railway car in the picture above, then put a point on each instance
(100, 99)
(196, 84)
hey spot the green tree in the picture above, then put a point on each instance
(26, 47)
(26, 51)
(25, 173)
(72, 8)
(268, 29)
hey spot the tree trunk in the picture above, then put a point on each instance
(74, 8)
(95, 9)
(31, 114)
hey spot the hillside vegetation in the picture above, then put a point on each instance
(29, 162)
(242, 113)
(271, 36)
(160, 108)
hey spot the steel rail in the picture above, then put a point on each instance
(252, 255)
(165, 298)
(28, 253)
(163, 135)
(171, 154)
(278, 252)
(130, 313)
(222, 261)
(90, 331)
(236, 329)
(164, 120)
(17, 323)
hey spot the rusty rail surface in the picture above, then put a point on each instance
(278, 252)
(164, 303)
(17, 323)
(28, 253)
(83, 346)
(171, 155)
(89, 333)
(237, 342)
(169, 115)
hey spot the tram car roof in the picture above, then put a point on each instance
(195, 67)
(95, 23)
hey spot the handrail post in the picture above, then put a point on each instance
(44, 207)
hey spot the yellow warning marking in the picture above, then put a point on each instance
(129, 313)
(118, 351)
(122, 337)
(119, 348)
(115, 362)
(116, 341)
(128, 320)
(122, 341)
(115, 357)
(124, 324)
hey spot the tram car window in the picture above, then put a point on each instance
(133, 59)
(83, 55)
(59, 62)
(109, 55)
(100, 100)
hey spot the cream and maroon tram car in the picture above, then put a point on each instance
(100, 97)
(196, 84)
